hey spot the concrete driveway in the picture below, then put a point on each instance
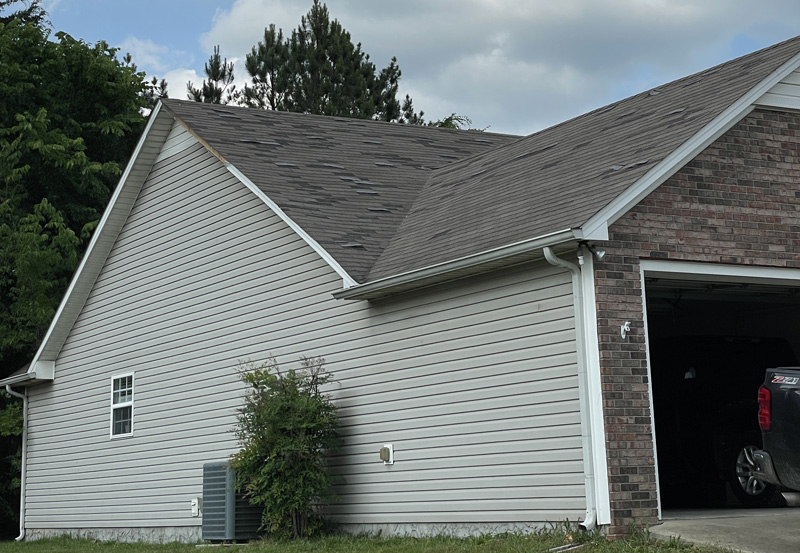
(747, 530)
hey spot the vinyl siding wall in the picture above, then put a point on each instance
(474, 382)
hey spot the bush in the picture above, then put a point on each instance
(286, 428)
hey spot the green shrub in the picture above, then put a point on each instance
(286, 427)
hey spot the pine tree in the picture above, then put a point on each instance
(268, 67)
(219, 75)
(319, 70)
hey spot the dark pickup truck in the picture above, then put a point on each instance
(777, 463)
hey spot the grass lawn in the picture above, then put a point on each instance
(556, 541)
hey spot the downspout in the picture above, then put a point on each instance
(24, 398)
(590, 519)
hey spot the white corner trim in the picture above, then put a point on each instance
(347, 280)
(98, 232)
(598, 233)
(594, 386)
(44, 370)
(688, 150)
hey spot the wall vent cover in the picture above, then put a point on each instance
(227, 516)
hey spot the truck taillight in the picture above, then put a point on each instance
(764, 414)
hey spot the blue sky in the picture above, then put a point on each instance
(510, 65)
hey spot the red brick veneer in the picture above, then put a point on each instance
(737, 202)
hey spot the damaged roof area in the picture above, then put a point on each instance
(347, 182)
(387, 199)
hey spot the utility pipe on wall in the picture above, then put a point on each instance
(24, 398)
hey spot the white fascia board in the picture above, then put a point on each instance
(692, 270)
(688, 150)
(598, 232)
(347, 280)
(356, 292)
(100, 245)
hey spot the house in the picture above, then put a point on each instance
(486, 303)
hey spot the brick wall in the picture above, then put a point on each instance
(736, 203)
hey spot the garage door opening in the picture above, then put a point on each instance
(710, 343)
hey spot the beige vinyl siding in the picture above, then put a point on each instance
(784, 95)
(473, 382)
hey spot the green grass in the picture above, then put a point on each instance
(512, 543)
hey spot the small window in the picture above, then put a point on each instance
(122, 405)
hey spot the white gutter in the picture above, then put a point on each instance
(24, 398)
(598, 508)
(474, 260)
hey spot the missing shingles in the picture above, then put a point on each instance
(352, 245)
(365, 191)
(378, 209)
(368, 141)
(285, 164)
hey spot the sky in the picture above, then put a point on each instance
(511, 66)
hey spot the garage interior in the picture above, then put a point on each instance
(710, 342)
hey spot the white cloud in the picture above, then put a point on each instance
(146, 54)
(177, 79)
(518, 66)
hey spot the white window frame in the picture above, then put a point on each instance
(113, 407)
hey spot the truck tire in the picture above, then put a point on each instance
(750, 491)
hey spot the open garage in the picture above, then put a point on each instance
(710, 338)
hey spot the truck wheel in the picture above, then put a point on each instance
(750, 491)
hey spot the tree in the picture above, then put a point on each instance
(316, 70)
(268, 67)
(70, 116)
(286, 427)
(219, 75)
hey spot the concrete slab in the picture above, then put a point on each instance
(746, 530)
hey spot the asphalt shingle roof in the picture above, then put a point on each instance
(384, 198)
(558, 178)
(347, 182)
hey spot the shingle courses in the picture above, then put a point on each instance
(332, 184)
(384, 199)
(559, 177)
